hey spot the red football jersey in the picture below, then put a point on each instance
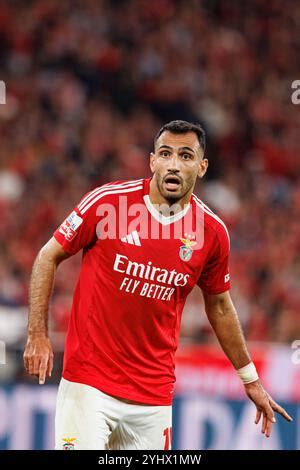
(138, 267)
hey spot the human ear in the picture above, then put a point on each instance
(203, 165)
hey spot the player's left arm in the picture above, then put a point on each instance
(224, 320)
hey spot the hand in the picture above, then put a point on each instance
(265, 406)
(38, 357)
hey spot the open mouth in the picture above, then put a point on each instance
(172, 182)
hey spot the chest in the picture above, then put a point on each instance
(175, 263)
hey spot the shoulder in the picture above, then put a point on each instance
(212, 222)
(108, 191)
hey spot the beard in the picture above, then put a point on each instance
(172, 197)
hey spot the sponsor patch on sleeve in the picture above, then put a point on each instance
(70, 225)
(227, 278)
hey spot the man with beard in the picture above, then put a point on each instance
(117, 384)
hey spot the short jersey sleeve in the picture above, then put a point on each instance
(215, 277)
(78, 230)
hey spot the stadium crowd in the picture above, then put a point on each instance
(90, 82)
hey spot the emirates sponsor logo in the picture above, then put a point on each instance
(147, 280)
(148, 271)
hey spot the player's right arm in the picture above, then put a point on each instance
(78, 231)
(38, 354)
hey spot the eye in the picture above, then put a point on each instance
(186, 156)
(164, 153)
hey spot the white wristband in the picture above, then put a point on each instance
(248, 373)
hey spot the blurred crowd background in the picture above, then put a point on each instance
(90, 82)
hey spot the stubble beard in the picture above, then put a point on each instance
(169, 198)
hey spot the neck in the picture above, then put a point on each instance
(157, 198)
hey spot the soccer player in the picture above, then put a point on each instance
(146, 244)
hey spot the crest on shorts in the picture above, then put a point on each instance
(186, 251)
(69, 443)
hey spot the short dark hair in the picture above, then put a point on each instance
(181, 127)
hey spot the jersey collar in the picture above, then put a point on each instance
(162, 219)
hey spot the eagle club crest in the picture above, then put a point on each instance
(69, 443)
(186, 251)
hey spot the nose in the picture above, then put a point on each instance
(173, 164)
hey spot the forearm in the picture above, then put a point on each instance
(225, 322)
(41, 285)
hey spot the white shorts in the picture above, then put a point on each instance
(87, 418)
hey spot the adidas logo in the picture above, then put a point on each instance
(132, 238)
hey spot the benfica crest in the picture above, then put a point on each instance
(69, 443)
(186, 251)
